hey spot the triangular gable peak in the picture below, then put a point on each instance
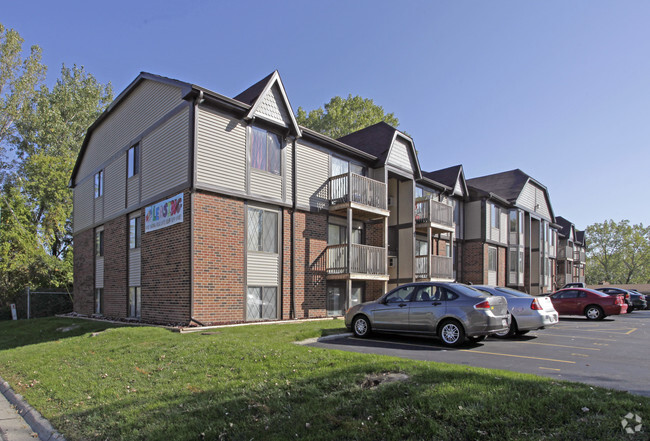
(402, 155)
(534, 198)
(273, 105)
(460, 189)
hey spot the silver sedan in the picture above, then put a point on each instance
(451, 311)
(528, 312)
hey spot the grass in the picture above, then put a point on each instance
(242, 383)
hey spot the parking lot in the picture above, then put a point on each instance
(613, 353)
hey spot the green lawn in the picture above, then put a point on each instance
(252, 383)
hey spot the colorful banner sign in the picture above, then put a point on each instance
(163, 214)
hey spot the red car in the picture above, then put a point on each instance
(592, 304)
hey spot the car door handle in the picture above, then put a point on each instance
(401, 305)
(436, 303)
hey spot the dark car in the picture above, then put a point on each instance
(634, 300)
(646, 296)
(575, 285)
(451, 311)
(593, 304)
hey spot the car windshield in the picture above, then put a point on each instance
(601, 294)
(468, 290)
(512, 292)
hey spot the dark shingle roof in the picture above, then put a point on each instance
(580, 237)
(447, 176)
(375, 140)
(507, 184)
(249, 95)
(565, 224)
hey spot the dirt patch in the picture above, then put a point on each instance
(375, 380)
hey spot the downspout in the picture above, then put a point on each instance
(294, 199)
(198, 100)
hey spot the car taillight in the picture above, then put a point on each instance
(619, 300)
(627, 296)
(483, 305)
(535, 306)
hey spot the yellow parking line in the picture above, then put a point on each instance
(559, 346)
(631, 330)
(548, 369)
(609, 331)
(575, 336)
(580, 355)
(518, 356)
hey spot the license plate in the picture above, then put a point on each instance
(504, 322)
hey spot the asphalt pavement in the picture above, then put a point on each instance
(613, 353)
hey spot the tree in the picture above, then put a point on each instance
(342, 116)
(19, 80)
(618, 253)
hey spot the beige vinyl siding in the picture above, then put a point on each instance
(400, 156)
(272, 107)
(266, 184)
(99, 272)
(492, 278)
(534, 200)
(83, 205)
(134, 267)
(146, 104)
(133, 191)
(288, 170)
(165, 156)
(262, 269)
(312, 174)
(221, 155)
(473, 220)
(99, 208)
(115, 186)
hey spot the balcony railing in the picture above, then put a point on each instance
(430, 211)
(434, 267)
(564, 253)
(579, 256)
(364, 260)
(351, 187)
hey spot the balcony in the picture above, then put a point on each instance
(580, 256)
(434, 214)
(434, 268)
(564, 253)
(365, 196)
(367, 263)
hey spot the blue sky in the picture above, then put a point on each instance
(559, 89)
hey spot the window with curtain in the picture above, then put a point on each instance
(266, 150)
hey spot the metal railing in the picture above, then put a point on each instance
(351, 187)
(428, 210)
(579, 256)
(564, 252)
(434, 267)
(364, 259)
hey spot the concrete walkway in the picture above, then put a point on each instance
(21, 422)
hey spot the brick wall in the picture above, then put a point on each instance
(374, 290)
(501, 266)
(219, 251)
(166, 266)
(115, 267)
(375, 235)
(310, 277)
(84, 272)
(474, 263)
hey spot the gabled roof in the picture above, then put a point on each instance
(254, 96)
(449, 177)
(565, 224)
(580, 237)
(378, 140)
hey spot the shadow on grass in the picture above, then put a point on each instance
(444, 403)
(18, 333)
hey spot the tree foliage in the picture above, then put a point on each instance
(618, 253)
(342, 116)
(45, 130)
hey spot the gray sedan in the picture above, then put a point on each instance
(451, 311)
(528, 312)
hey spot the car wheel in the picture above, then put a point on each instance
(594, 312)
(512, 330)
(361, 326)
(477, 338)
(630, 309)
(451, 333)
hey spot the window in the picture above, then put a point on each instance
(135, 301)
(99, 294)
(421, 192)
(133, 160)
(262, 230)
(341, 166)
(99, 243)
(492, 259)
(99, 183)
(401, 294)
(134, 232)
(447, 250)
(338, 234)
(513, 221)
(421, 248)
(261, 303)
(266, 149)
(494, 216)
(513, 261)
(456, 206)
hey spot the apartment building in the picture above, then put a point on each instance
(510, 234)
(191, 207)
(572, 253)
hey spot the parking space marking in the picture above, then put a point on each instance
(611, 331)
(518, 356)
(559, 346)
(631, 331)
(394, 343)
(580, 355)
(576, 336)
(549, 369)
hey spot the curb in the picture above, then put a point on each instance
(325, 338)
(31, 416)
